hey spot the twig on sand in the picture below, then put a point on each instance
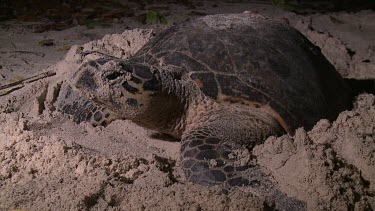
(24, 61)
(26, 52)
(11, 90)
(14, 45)
(19, 84)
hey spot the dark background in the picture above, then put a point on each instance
(61, 14)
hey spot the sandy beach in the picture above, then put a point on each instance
(48, 162)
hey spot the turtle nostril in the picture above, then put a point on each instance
(114, 75)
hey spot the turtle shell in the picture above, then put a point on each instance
(254, 60)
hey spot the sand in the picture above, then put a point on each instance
(47, 162)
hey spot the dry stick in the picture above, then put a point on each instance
(14, 45)
(11, 90)
(28, 80)
(24, 61)
(26, 52)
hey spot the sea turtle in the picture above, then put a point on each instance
(216, 83)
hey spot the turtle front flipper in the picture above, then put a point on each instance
(206, 159)
(82, 109)
(209, 153)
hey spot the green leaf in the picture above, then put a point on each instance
(154, 17)
(163, 20)
(280, 2)
(285, 4)
(90, 24)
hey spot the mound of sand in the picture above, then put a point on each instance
(50, 163)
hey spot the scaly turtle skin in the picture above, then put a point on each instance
(217, 82)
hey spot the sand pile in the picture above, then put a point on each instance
(50, 163)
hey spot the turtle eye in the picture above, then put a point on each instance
(113, 76)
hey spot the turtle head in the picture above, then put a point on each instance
(128, 89)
